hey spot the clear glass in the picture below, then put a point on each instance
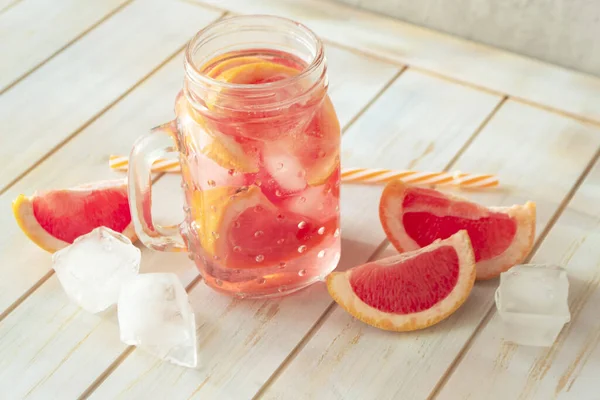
(258, 141)
(532, 301)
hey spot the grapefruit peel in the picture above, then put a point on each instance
(340, 289)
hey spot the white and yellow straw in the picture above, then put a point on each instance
(360, 175)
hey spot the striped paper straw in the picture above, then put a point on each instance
(367, 176)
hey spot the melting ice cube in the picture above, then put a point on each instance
(284, 168)
(532, 301)
(155, 315)
(93, 268)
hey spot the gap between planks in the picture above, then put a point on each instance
(490, 313)
(65, 46)
(10, 5)
(379, 250)
(427, 71)
(44, 278)
(95, 116)
(123, 356)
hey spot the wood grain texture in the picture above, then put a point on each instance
(83, 159)
(568, 369)
(460, 59)
(73, 88)
(538, 156)
(34, 30)
(241, 343)
(64, 343)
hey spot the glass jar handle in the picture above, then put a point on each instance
(146, 150)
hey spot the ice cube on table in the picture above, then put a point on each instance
(155, 315)
(532, 301)
(93, 268)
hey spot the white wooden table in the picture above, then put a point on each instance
(80, 80)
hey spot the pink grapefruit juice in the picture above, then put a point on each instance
(262, 184)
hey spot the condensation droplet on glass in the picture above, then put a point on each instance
(337, 208)
(278, 193)
(215, 234)
(336, 233)
(261, 281)
(280, 241)
(282, 265)
(302, 249)
(237, 224)
(186, 209)
(302, 272)
(321, 230)
(281, 289)
(260, 258)
(302, 200)
(271, 182)
(211, 183)
(257, 182)
(216, 257)
(322, 153)
(321, 254)
(258, 234)
(191, 256)
(218, 282)
(237, 249)
(301, 225)
(279, 166)
(213, 208)
(258, 209)
(301, 174)
(280, 217)
(231, 172)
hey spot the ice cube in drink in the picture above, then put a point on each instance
(532, 301)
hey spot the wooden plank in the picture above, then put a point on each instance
(538, 156)
(460, 59)
(241, 343)
(34, 30)
(62, 96)
(568, 369)
(56, 350)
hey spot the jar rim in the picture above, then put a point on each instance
(194, 72)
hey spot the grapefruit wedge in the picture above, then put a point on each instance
(54, 219)
(410, 291)
(415, 217)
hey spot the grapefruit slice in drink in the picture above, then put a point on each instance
(410, 291)
(240, 228)
(415, 217)
(54, 219)
(201, 136)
